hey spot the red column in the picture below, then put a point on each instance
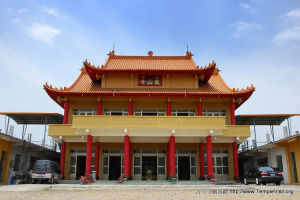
(210, 173)
(235, 162)
(126, 170)
(201, 161)
(96, 166)
(99, 109)
(232, 113)
(66, 111)
(199, 108)
(62, 159)
(169, 107)
(130, 159)
(168, 160)
(130, 107)
(172, 156)
(88, 161)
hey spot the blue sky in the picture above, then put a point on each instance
(252, 41)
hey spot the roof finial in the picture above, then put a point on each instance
(188, 53)
(113, 48)
(150, 53)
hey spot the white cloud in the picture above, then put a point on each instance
(293, 13)
(16, 20)
(53, 12)
(245, 5)
(243, 27)
(21, 11)
(43, 32)
(288, 35)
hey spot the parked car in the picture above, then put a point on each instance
(45, 171)
(263, 175)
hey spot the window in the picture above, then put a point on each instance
(17, 162)
(220, 162)
(137, 164)
(262, 161)
(183, 113)
(149, 112)
(279, 163)
(152, 80)
(84, 112)
(193, 165)
(213, 113)
(115, 112)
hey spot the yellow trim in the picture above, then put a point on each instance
(237, 131)
(61, 130)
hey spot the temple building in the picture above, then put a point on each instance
(149, 117)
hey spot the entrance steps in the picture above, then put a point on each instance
(156, 182)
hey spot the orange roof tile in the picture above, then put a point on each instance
(149, 64)
(152, 63)
(84, 86)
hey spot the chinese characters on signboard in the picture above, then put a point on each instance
(149, 80)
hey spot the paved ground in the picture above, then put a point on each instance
(163, 190)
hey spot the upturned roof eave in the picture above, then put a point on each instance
(244, 95)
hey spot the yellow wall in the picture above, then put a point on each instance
(5, 146)
(292, 146)
(131, 81)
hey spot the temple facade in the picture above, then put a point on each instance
(149, 117)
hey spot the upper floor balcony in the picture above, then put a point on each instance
(149, 126)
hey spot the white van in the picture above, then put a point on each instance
(45, 171)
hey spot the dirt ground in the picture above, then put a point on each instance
(149, 192)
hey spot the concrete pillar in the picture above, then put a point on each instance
(232, 113)
(201, 161)
(62, 159)
(169, 108)
(210, 172)
(66, 111)
(199, 108)
(235, 162)
(99, 108)
(130, 107)
(126, 170)
(88, 161)
(172, 156)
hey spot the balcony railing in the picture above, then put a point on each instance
(158, 124)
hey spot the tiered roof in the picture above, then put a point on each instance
(149, 65)
(212, 84)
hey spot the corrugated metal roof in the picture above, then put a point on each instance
(35, 118)
(262, 119)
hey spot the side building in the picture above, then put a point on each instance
(292, 156)
(159, 114)
(18, 156)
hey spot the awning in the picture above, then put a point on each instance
(263, 119)
(35, 118)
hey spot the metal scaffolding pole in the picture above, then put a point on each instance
(255, 134)
(6, 131)
(272, 131)
(24, 131)
(289, 128)
(44, 141)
